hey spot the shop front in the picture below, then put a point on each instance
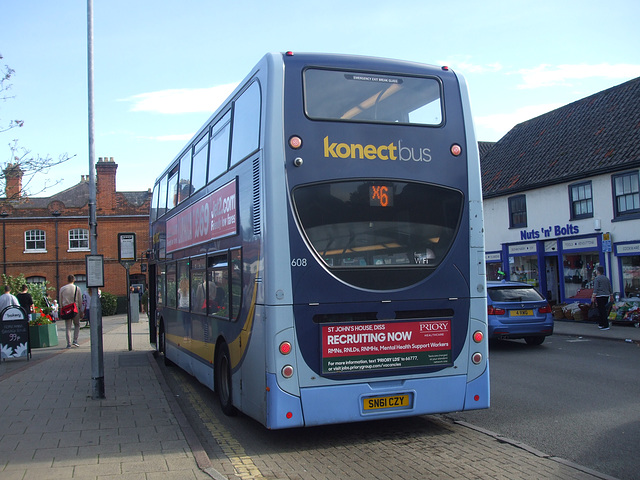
(562, 269)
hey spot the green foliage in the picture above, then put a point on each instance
(109, 304)
(38, 291)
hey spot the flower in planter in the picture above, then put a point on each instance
(40, 318)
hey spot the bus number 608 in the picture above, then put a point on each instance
(299, 262)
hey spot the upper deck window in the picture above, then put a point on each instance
(367, 97)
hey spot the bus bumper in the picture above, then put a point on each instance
(283, 410)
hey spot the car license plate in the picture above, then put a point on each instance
(520, 313)
(394, 401)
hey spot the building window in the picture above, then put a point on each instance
(517, 211)
(581, 200)
(35, 241)
(36, 279)
(78, 239)
(626, 191)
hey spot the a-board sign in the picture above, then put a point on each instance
(14, 333)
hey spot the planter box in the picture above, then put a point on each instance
(42, 336)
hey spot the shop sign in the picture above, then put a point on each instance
(628, 249)
(550, 231)
(524, 248)
(591, 242)
(492, 257)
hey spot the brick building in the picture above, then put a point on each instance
(47, 238)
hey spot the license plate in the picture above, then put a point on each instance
(520, 313)
(394, 401)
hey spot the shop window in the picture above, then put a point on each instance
(494, 271)
(578, 273)
(626, 191)
(517, 211)
(630, 267)
(35, 241)
(581, 200)
(524, 269)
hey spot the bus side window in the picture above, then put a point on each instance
(183, 285)
(218, 286)
(246, 124)
(199, 173)
(172, 191)
(219, 147)
(153, 213)
(162, 196)
(161, 278)
(184, 183)
(171, 285)
(198, 285)
(236, 283)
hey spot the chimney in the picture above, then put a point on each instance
(106, 184)
(13, 179)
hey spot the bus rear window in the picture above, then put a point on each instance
(367, 97)
(380, 224)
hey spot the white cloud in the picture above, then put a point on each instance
(548, 75)
(185, 137)
(501, 123)
(181, 100)
(465, 67)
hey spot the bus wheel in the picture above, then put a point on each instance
(222, 379)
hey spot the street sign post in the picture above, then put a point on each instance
(127, 257)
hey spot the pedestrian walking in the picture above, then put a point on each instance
(25, 299)
(70, 294)
(602, 295)
(7, 298)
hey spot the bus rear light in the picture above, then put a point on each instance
(476, 358)
(289, 415)
(295, 142)
(478, 336)
(476, 397)
(285, 348)
(287, 371)
(456, 149)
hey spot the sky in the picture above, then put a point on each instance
(162, 67)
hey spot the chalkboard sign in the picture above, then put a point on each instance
(14, 333)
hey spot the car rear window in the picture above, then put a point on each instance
(514, 294)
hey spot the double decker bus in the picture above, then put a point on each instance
(317, 249)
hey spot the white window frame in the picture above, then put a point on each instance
(35, 235)
(77, 235)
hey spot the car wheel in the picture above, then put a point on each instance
(222, 379)
(534, 340)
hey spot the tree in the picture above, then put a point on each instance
(21, 159)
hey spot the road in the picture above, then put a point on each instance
(574, 398)
(429, 446)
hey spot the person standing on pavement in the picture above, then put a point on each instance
(69, 294)
(7, 298)
(602, 295)
(25, 299)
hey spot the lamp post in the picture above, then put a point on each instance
(4, 215)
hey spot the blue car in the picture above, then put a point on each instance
(518, 310)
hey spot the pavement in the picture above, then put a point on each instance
(51, 427)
